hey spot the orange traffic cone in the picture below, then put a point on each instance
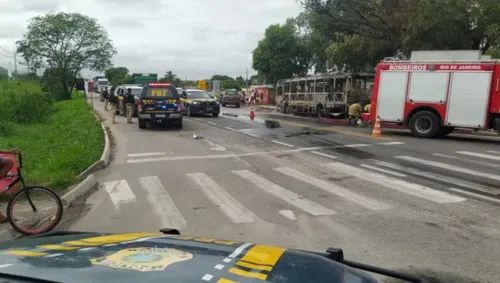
(252, 113)
(377, 128)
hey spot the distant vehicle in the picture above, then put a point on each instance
(120, 92)
(102, 84)
(199, 102)
(159, 103)
(144, 79)
(231, 97)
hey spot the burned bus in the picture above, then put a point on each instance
(323, 95)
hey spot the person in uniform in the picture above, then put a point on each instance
(367, 108)
(129, 101)
(105, 95)
(355, 111)
(113, 100)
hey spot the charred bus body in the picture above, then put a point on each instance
(323, 95)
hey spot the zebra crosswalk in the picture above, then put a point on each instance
(384, 181)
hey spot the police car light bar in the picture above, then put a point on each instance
(160, 84)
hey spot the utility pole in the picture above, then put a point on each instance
(246, 80)
(15, 62)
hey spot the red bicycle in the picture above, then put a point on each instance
(33, 194)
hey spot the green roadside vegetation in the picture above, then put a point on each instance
(59, 139)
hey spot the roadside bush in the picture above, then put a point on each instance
(60, 148)
(23, 102)
(59, 139)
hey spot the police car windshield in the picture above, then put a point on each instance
(136, 91)
(198, 94)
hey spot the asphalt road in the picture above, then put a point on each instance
(424, 206)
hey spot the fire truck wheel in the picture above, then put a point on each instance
(424, 124)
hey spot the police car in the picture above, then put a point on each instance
(199, 102)
(159, 103)
(81, 257)
(120, 92)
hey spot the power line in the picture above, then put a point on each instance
(8, 52)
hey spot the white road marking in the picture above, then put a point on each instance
(219, 156)
(207, 277)
(487, 164)
(476, 195)
(282, 143)
(119, 192)
(383, 170)
(334, 189)
(396, 184)
(324, 154)
(450, 167)
(161, 203)
(227, 260)
(219, 266)
(482, 155)
(233, 209)
(109, 245)
(288, 214)
(211, 123)
(250, 134)
(145, 154)
(493, 151)
(284, 194)
(198, 119)
(239, 250)
(5, 265)
(356, 145)
(391, 143)
(440, 178)
(231, 129)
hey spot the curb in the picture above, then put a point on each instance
(79, 190)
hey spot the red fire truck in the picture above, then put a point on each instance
(432, 98)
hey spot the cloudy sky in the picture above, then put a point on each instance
(193, 38)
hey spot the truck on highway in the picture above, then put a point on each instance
(100, 83)
(436, 92)
(144, 79)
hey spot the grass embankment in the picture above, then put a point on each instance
(58, 139)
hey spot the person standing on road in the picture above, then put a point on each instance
(113, 100)
(105, 95)
(129, 101)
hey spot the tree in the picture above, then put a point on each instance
(221, 78)
(281, 54)
(358, 31)
(172, 78)
(116, 75)
(66, 43)
(4, 73)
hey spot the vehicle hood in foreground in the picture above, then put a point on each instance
(155, 257)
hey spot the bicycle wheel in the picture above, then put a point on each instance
(38, 202)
